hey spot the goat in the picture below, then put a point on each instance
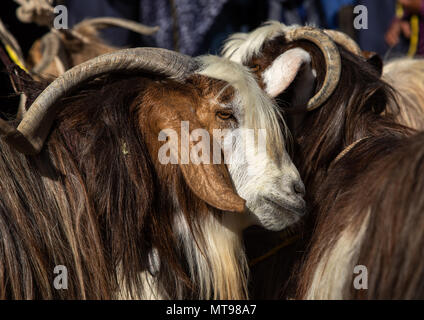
(347, 147)
(406, 75)
(376, 222)
(60, 50)
(83, 185)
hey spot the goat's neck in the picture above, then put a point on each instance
(217, 264)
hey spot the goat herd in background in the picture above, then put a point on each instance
(82, 185)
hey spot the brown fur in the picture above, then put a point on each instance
(339, 197)
(381, 177)
(96, 198)
(76, 50)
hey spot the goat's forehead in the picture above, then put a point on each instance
(229, 79)
(223, 92)
(215, 89)
(227, 97)
(242, 48)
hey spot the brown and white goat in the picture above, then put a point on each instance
(363, 183)
(60, 50)
(83, 185)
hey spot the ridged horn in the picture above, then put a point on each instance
(344, 40)
(32, 131)
(332, 60)
(104, 22)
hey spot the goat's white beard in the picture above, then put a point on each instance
(218, 265)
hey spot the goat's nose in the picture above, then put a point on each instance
(299, 188)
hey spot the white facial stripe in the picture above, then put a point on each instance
(282, 72)
(263, 176)
(257, 179)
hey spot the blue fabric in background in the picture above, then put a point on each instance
(331, 9)
(81, 9)
(295, 12)
(195, 19)
(380, 16)
(204, 24)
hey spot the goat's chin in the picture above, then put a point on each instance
(275, 218)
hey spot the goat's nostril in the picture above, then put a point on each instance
(299, 188)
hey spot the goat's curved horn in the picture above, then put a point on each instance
(332, 59)
(31, 133)
(50, 49)
(104, 22)
(344, 40)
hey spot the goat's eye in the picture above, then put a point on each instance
(224, 115)
(255, 68)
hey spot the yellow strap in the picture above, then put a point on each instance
(415, 29)
(399, 11)
(12, 54)
(415, 33)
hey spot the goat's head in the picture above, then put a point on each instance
(262, 174)
(278, 61)
(326, 108)
(282, 55)
(218, 95)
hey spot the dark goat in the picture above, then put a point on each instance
(338, 133)
(370, 215)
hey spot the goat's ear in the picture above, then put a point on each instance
(210, 182)
(374, 60)
(293, 66)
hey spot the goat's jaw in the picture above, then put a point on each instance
(271, 199)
